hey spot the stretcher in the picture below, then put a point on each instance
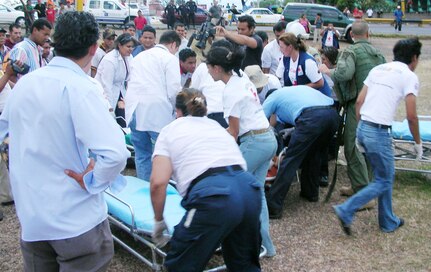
(403, 146)
(131, 211)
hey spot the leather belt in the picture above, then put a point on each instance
(211, 172)
(255, 132)
(371, 124)
(317, 108)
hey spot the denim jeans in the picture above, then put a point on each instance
(377, 143)
(143, 142)
(258, 151)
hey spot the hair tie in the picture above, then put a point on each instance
(229, 56)
(198, 99)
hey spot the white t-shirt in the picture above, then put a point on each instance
(4, 94)
(98, 56)
(195, 144)
(271, 56)
(212, 90)
(240, 100)
(387, 84)
(311, 70)
(273, 83)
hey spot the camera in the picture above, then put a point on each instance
(207, 30)
(19, 69)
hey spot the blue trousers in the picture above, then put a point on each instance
(221, 209)
(143, 142)
(377, 143)
(313, 131)
(258, 151)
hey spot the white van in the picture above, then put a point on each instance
(111, 12)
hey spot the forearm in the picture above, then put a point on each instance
(158, 199)
(414, 129)
(241, 39)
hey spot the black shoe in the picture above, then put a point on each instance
(346, 228)
(274, 214)
(310, 199)
(324, 181)
(8, 203)
(401, 223)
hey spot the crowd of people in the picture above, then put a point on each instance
(209, 121)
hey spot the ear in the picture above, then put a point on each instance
(92, 49)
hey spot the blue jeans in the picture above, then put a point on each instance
(258, 151)
(143, 142)
(377, 143)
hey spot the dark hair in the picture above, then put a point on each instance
(170, 36)
(404, 50)
(331, 54)
(129, 25)
(227, 55)
(247, 19)
(191, 102)
(291, 39)
(262, 35)
(279, 26)
(149, 28)
(75, 32)
(39, 24)
(123, 39)
(12, 26)
(178, 24)
(186, 53)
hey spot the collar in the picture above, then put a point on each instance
(162, 47)
(103, 47)
(66, 63)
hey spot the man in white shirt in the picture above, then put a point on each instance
(181, 31)
(187, 66)
(271, 54)
(154, 83)
(386, 85)
(58, 191)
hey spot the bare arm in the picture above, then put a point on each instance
(360, 101)
(317, 85)
(160, 175)
(233, 128)
(412, 117)
(237, 38)
(273, 120)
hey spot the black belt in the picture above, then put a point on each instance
(371, 124)
(317, 108)
(211, 172)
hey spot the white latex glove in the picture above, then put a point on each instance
(158, 238)
(418, 151)
(359, 146)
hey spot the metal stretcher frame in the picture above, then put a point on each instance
(403, 151)
(155, 262)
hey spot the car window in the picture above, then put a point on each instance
(293, 11)
(255, 12)
(265, 12)
(312, 12)
(110, 5)
(328, 13)
(94, 4)
(3, 8)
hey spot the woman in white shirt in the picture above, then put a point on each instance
(113, 74)
(246, 119)
(221, 199)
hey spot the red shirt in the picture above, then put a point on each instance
(50, 15)
(140, 22)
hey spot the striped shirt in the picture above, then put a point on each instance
(29, 53)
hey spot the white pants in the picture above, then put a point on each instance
(317, 37)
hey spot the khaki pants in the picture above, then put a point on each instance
(5, 190)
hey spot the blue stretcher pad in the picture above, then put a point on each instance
(137, 195)
(401, 131)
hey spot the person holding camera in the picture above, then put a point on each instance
(330, 36)
(245, 36)
(27, 51)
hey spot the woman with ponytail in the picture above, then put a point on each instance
(221, 199)
(297, 66)
(246, 119)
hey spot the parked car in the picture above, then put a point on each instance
(9, 15)
(111, 12)
(343, 24)
(263, 16)
(200, 17)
